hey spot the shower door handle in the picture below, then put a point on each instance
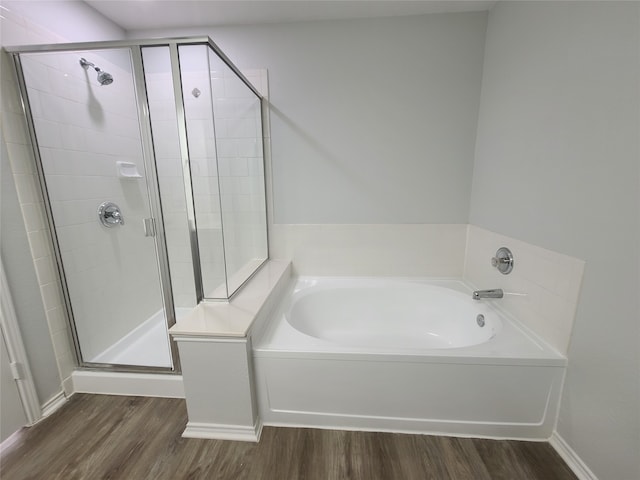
(149, 225)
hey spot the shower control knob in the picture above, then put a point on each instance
(503, 260)
(109, 214)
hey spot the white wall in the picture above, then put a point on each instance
(372, 121)
(56, 21)
(557, 166)
(33, 23)
(372, 125)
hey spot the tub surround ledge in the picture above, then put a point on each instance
(237, 316)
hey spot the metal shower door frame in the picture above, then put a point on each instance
(135, 49)
(152, 195)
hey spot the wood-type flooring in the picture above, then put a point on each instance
(137, 438)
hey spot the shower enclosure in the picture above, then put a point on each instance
(150, 159)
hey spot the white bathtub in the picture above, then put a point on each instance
(389, 315)
(405, 356)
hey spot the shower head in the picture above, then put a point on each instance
(104, 78)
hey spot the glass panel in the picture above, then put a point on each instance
(238, 132)
(196, 91)
(224, 128)
(87, 128)
(166, 142)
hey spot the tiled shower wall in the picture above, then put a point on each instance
(83, 129)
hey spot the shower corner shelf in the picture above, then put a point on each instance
(127, 170)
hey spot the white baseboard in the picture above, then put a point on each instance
(13, 439)
(214, 431)
(574, 462)
(53, 404)
(135, 384)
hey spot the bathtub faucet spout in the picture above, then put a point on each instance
(493, 293)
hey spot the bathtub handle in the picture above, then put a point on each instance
(110, 215)
(503, 260)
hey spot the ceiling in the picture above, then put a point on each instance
(153, 14)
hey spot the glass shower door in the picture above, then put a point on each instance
(84, 108)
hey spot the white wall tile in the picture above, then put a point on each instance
(66, 362)
(34, 216)
(61, 342)
(26, 185)
(51, 295)
(72, 137)
(57, 319)
(39, 243)
(49, 134)
(21, 158)
(389, 250)
(46, 270)
(14, 128)
(51, 107)
(38, 72)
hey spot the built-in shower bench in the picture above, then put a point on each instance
(214, 342)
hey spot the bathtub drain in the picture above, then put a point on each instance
(480, 320)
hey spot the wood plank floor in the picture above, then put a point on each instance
(135, 438)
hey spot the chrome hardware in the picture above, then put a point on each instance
(503, 260)
(109, 214)
(493, 293)
(149, 225)
(480, 320)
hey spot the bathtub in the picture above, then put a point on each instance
(403, 355)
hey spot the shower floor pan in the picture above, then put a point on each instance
(146, 345)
